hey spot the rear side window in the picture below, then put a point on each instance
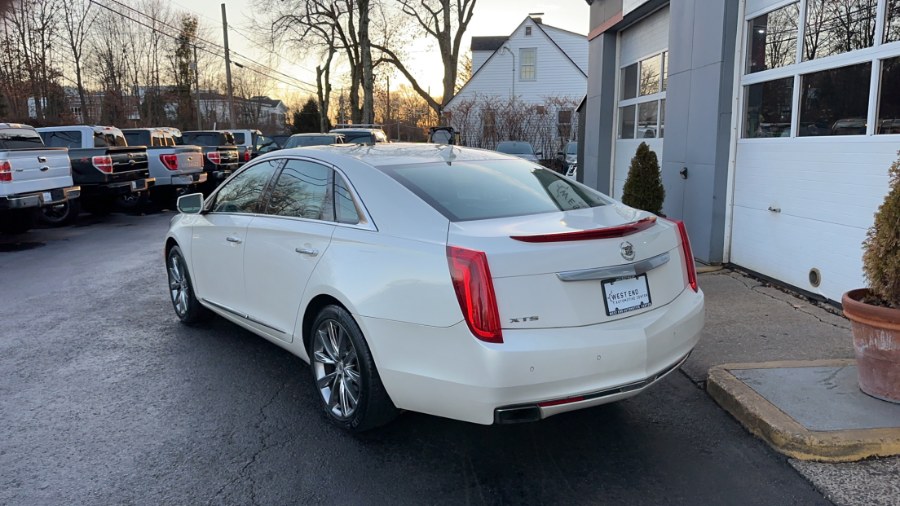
(344, 209)
(20, 138)
(238, 137)
(303, 190)
(62, 139)
(241, 194)
(482, 190)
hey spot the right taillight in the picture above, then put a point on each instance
(215, 157)
(688, 255)
(103, 163)
(170, 161)
(5, 172)
(475, 292)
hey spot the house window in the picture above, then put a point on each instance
(528, 64)
(835, 101)
(889, 97)
(768, 108)
(564, 123)
(838, 27)
(773, 39)
(528, 31)
(642, 87)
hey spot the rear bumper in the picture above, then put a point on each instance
(182, 179)
(122, 188)
(446, 372)
(39, 199)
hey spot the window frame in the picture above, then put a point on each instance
(874, 54)
(659, 97)
(533, 66)
(211, 200)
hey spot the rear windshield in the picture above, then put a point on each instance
(238, 137)
(358, 137)
(136, 138)
(310, 140)
(20, 138)
(107, 139)
(483, 190)
(206, 139)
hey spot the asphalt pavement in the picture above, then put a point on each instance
(107, 399)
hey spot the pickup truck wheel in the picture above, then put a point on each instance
(17, 221)
(350, 389)
(61, 214)
(132, 202)
(181, 290)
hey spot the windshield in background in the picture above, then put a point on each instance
(515, 148)
(358, 137)
(134, 138)
(107, 139)
(572, 148)
(20, 138)
(309, 140)
(202, 139)
(484, 190)
(238, 137)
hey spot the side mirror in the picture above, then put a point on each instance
(190, 204)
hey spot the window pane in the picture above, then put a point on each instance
(835, 101)
(344, 207)
(838, 27)
(768, 108)
(629, 81)
(650, 75)
(892, 21)
(626, 122)
(241, 194)
(302, 191)
(647, 115)
(773, 39)
(662, 118)
(665, 76)
(889, 99)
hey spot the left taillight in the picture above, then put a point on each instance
(170, 161)
(688, 255)
(5, 172)
(103, 164)
(475, 292)
(247, 155)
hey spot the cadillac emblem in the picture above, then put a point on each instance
(627, 250)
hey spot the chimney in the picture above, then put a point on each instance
(536, 17)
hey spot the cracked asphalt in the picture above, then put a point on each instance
(107, 399)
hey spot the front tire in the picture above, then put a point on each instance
(344, 373)
(181, 290)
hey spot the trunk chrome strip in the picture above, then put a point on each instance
(616, 271)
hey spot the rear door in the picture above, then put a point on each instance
(219, 234)
(286, 242)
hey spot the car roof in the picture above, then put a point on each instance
(316, 135)
(342, 130)
(393, 154)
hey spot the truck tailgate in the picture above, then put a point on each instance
(35, 170)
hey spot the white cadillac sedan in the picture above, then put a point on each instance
(457, 282)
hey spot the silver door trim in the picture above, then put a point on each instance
(244, 316)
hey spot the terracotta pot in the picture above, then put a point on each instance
(876, 341)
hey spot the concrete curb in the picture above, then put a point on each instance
(782, 432)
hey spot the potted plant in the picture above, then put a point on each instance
(874, 312)
(643, 186)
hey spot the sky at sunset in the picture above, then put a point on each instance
(492, 17)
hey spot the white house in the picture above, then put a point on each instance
(775, 122)
(525, 86)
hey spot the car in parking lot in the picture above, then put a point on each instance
(451, 281)
(361, 134)
(306, 140)
(522, 149)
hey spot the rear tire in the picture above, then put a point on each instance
(344, 373)
(181, 290)
(58, 215)
(98, 206)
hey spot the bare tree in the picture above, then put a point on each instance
(78, 18)
(446, 21)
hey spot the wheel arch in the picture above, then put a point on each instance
(316, 304)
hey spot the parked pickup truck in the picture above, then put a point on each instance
(102, 163)
(252, 143)
(220, 155)
(176, 169)
(31, 176)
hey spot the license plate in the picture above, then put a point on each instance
(140, 184)
(626, 294)
(47, 196)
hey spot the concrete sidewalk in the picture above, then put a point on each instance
(751, 323)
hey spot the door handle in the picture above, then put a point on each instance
(42, 159)
(307, 251)
(45, 168)
(233, 239)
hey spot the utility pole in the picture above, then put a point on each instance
(197, 82)
(388, 101)
(231, 122)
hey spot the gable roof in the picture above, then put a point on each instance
(537, 23)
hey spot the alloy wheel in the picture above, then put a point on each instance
(337, 369)
(178, 285)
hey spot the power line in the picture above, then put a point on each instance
(309, 86)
